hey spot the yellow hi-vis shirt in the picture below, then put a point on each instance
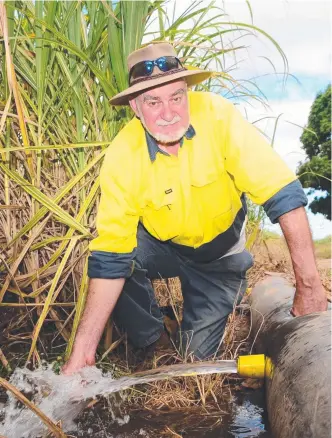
(191, 199)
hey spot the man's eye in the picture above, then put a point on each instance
(153, 103)
(176, 99)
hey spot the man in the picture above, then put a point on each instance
(173, 188)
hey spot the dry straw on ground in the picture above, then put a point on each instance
(201, 391)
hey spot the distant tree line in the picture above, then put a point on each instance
(316, 141)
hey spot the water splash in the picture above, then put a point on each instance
(59, 397)
(62, 397)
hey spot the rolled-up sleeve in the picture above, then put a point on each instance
(288, 198)
(109, 265)
(113, 250)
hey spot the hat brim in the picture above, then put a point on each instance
(192, 77)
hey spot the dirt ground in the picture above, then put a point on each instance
(272, 255)
(324, 263)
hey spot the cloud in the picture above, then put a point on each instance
(301, 28)
(293, 116)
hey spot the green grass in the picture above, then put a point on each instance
(323, 248)
(266, 234)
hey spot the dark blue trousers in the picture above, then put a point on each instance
(210, 291)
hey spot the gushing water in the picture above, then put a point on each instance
(62, 397)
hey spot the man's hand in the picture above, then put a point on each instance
(102, 297)
(310, 295)
(309, 298)
(78, 360)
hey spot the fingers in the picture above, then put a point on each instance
(66, 370)
(74, 366)
(71, 368)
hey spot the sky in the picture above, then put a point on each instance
(303, 30)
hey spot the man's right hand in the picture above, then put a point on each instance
(77, 361)
(102, 297)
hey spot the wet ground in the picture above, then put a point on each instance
(243, 416)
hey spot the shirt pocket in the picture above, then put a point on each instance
(161, 216)
(211, 191)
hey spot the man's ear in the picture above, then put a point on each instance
(133, 105)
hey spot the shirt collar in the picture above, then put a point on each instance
(153, 147)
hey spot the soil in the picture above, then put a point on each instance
(324, 263)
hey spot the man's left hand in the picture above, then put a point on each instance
(309, 298)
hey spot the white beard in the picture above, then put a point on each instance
(169, 138)
(163, 138)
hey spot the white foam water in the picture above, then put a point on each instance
(62, 397)
(59, 397)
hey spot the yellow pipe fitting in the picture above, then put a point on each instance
(256, 366)
(268, 367)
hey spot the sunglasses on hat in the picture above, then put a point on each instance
(145, 68)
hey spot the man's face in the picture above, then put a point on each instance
(164, 111)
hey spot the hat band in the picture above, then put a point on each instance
(159, 75)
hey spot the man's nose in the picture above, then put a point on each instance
(167, 113)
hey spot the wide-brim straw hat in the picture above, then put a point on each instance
(158, 77)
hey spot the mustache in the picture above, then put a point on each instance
(161, 122)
